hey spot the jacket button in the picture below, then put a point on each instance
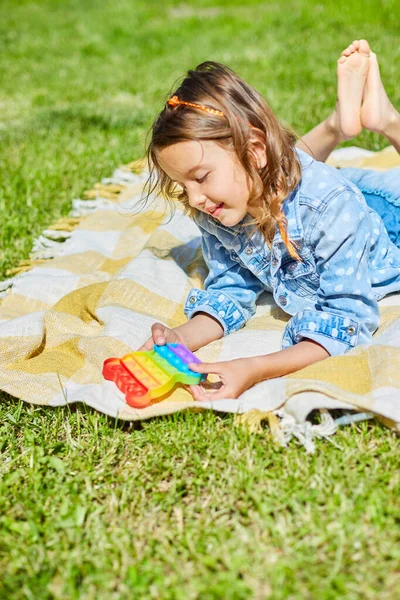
(249, 250)
(192, 299)
(274, 262)
(351, 330)
(282, 300)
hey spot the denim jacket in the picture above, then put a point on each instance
(347, 264)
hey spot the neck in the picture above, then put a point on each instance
(254, 211)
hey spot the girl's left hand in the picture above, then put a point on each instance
(236, 377)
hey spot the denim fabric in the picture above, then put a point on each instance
(348, 261)
(382, 193)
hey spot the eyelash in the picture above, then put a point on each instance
(203, 178)
(198, 181)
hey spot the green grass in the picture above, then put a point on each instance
(185, 506)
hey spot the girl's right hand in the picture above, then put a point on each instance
(160, 335)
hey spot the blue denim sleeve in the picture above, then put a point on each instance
(231, 290)
(346, 311)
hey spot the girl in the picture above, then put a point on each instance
(274, 218)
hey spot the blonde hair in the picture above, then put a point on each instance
(216, 86)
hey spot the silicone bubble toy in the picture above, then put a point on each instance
(143, 376)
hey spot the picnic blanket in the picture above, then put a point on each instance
(97, 280)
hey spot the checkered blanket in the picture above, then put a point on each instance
(98, 279)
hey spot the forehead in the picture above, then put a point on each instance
(181, 158)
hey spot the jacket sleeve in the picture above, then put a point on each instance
(346, 310)
(231, 290)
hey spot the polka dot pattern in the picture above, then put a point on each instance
(341, 231)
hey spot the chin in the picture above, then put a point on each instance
(230, 220)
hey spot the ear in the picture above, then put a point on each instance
(258, 149)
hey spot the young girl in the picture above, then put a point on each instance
(274, 218)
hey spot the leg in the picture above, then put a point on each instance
(381, 191)
(377, 112)
(345, 122)
(323, 139)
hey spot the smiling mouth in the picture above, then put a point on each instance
(217, 209)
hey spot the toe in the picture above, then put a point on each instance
(350, 49)
(364, 48)
(373, 66)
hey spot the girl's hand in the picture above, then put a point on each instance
(160, 335)
(236, 376)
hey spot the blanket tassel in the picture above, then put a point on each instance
(252, 421)
(101, 197)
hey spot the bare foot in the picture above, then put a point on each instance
(352, 70)
(377, 112)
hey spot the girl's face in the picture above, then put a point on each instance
(213, 178)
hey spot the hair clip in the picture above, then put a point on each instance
(174, 101)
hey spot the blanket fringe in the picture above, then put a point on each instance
(109, 191)
(57, 234)
(110, 188)
(283, 427)
(253, 419)
(65, 224)
(5, 286)
(103, 196)
(24, 265)
(82, 208)
(136, 166)
(306, 432)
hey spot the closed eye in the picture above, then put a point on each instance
(203, 178)
(197, 181)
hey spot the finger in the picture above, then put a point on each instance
(204, 367)
(158, 331)
(199, 393)
(202, 395)
(148, 345)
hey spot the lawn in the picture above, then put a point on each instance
(186, 506)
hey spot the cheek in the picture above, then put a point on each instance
(241, 192)
(241, 183)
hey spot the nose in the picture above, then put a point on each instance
(196, 198)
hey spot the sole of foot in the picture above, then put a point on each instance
(377, 112)
(352, 71)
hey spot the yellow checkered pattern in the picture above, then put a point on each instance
(95, 293)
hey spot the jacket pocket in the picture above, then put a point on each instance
(293, 269)
(300, 278)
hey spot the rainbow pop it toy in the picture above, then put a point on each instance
(143, 376)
